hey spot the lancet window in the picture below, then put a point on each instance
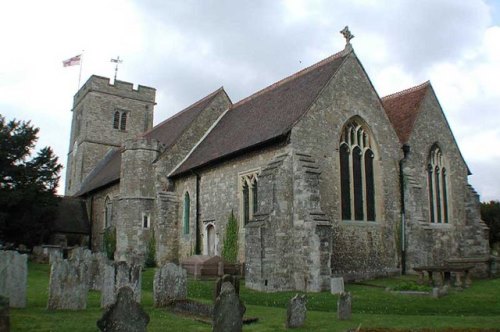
(357, 172)
(249, 195)
(437, 186)
(186, 213)
(120, 120)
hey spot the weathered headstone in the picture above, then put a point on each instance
(296, 311)
(234, 280)
(4, 314)
(68, 285)
(97, 265)
(118, 275)
(125, 315)
(344, 306)
(14, 277)
(228, 311)
(336, 285)
(170, 284)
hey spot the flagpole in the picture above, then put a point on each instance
(80, 74)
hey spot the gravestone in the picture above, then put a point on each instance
(336, 285)
(234, 280)
(97, 264)
(170, 284)
(228, 310)
(4, 314)
(296, 311)
(118, 275)
(14, 277)
(344, 306)
(125, 315)
(68, 285)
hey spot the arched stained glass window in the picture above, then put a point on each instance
(437, 186)
(357, 176)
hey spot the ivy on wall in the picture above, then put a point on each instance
(109, 239)
(151, 251)
(230, 248)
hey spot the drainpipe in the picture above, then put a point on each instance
(197, 249)
(406, 152)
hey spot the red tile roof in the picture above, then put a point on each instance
(403, 107)
(264, 116)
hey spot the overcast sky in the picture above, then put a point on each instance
(187, 49)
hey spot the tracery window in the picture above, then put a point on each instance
(437, 186)
(249, 195)
(187, 208)
(120, 120)
(357, 181)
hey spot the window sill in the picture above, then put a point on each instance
(361, 223)
(430, 226)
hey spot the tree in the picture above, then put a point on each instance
(28, 200)
(490, 213)
(230, 248)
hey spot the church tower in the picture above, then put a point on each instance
(105, 115)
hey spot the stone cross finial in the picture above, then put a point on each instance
(347, 35)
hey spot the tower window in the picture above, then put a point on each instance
(146, 220)
(120, 120)
(357, 183)
(437, 186)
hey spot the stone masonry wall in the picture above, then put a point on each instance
(434, 243)
(97, 208)
(359, 249)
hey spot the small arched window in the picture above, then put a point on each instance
(108, 212)
(187, 208)
(120, 120)
(116, 120)
(357, 178)
(123, 121)
(437, 186)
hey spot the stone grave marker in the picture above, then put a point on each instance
(234, 280)
(228, 310)
(118, 275)
(170, 284)
(97, 264)
(4, 314)
(13, 277)
(344, 306)
(296, 311)
(337, 285)
(125, 315)
(68, 285)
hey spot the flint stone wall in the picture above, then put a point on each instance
(14, 277)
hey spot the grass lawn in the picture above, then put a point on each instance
(373, 307)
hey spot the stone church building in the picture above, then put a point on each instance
(325, 177)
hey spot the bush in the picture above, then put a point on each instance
(151, 251)
(110, 242)
(230, 249)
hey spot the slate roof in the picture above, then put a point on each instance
(71, 217)
(403, 107)
(264, 116)
(107, 171)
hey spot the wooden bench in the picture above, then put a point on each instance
(445, 273)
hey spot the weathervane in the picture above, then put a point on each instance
(117, 61)
(347, 35)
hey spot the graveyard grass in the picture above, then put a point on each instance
(373, 307)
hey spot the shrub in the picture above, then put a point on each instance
(110, 241)
(151, 251)
(230, 249)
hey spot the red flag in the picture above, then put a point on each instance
(72, 61)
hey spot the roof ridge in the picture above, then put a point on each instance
(206, 98)
(293, 76)
(409, 90)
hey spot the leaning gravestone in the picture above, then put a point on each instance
(4, 314)
(13, 277)
(336, 285)
(228, 310)
(118, 275)
(68, 285)
(170, 284)
(125, 315)
(296, 311)
(344, 306)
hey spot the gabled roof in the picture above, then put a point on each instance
(264, 116)
(403, 107)
(168, 131)
(107, 171)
